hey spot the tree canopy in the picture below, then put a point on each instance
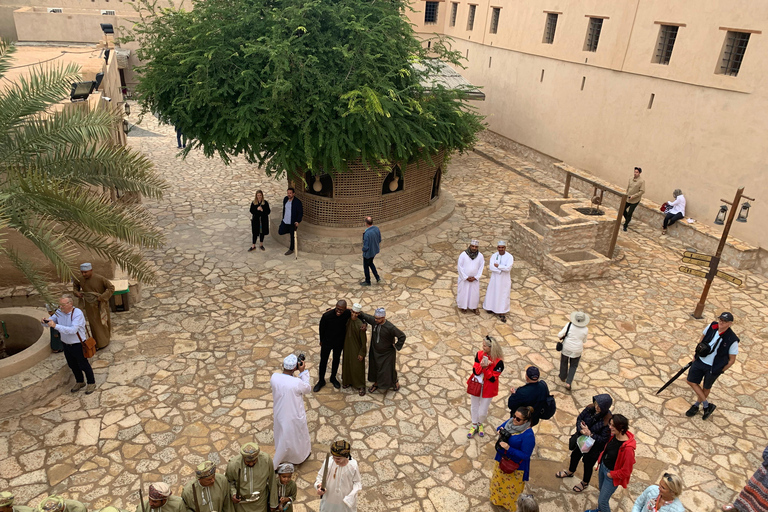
(300, 85)
(54, 167)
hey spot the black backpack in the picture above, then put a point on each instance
(547, 408)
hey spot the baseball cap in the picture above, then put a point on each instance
(726, 316)
(532, 373)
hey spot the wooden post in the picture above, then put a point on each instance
(716, 260)
(567, 184)
(615, 235)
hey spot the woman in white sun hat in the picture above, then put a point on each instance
(573, 336)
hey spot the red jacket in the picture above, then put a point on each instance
(625, 461)
(490, 374)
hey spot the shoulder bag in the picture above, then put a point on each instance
(89, 345)
(703, 349)
(474, 387)
(559, 346)
(507, 465)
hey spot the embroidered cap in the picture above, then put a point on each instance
(85, 267)
(340, 448)
(285, 468)
(6, 499)
(474, 242)
(357, 307)
(380, 313)
(290, 362)
(52, 503)
(501, 243)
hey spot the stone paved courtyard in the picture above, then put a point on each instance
(187, 375)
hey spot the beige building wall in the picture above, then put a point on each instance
(704, 132)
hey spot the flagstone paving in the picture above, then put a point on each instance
(187, 375)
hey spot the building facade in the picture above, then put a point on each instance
(677, 88)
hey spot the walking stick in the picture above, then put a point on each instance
(295, 244)
(325, 472)
(237, 486)
(194, 493)
(141, 499)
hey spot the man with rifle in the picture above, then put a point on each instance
(161, 500)
(251, 477)
(209, 492)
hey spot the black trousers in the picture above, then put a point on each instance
(369, 267)
(671, 218)
(78, 363)
(589, 459)
(629, 209)
(287, 229)
(325, 352)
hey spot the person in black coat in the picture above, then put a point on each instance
(594, 422)
(333, 331)
(531, 394)
(290, 222)
(259, 220)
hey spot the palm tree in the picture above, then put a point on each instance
(56, 169)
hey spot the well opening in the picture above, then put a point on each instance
(571, 257)
(19, 332)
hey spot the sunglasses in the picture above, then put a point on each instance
(518, 418)
(667, 477)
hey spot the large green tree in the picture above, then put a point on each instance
(297, 84)
(57, 167)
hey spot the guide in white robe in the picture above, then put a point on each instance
(468, 293)
(291, 433)
(341, 487)
(500, 284)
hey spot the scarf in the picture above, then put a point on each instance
(516, 429)
(472, 254)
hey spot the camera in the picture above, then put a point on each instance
(301, 357)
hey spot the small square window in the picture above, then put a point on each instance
(471, 17)
(665, 44)
(593, 34)
(733, 53)
(454, 12)
(430, 13)
(549, 28)
(495, 20)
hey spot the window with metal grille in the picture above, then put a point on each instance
(471, 17)
(593, 34)
(55, 10)
(495, 19)
(549, 28)
(667, 36)
(454, 12)
(430, 13)
(733, 53)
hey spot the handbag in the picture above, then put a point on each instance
(507, 465)
(89, 345)
(559, 346)
(474, 387)
(703, 349)
(664, 207)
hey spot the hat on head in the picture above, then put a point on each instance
(501, 243)
(85, 267)
(109, 509)
(159, 491)
(6, 499)
(290, 362)
(52, 503)
(357, 307)
(726, 316)
(285, 467)
(579, 318)
(532, 373)
(340, 448)
(474, 242)
(205, 470)
(250, 451)
(380, 313)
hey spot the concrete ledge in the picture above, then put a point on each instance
(325, 240)
(28, 357)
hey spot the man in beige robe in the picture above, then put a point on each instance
(94, 291)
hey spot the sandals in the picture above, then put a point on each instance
(580, 487)
(396, 387)
(503, 318)
(345, 386)
(563, 474)
(475, 311)
(251, 249)
(373, 388)
(361, 392)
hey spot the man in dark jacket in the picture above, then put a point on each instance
(724, 345)
(333, 330)
(371, 241)
(293, 213)
(532, 393)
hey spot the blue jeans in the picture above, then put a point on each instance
(607, 488)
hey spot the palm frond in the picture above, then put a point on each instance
(127, 257)
(7, 49)
(42, 233)
(32, 274)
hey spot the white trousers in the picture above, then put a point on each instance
(480, 409)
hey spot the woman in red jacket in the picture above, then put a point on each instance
(489, 363)
(616, 462)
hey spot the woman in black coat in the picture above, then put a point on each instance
(259, 220)
(594, 422)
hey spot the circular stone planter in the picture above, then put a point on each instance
(32, 376)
